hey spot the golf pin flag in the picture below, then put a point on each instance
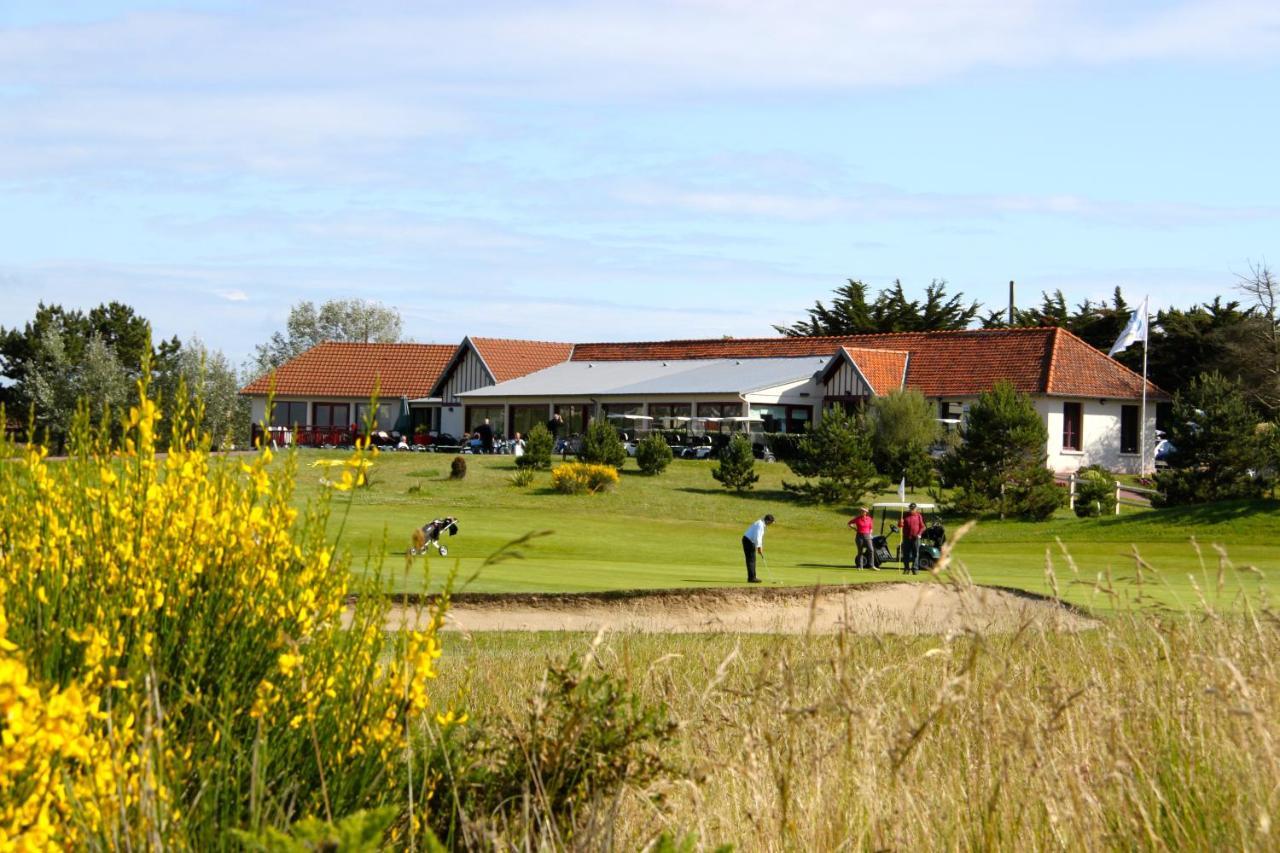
(1134, 332)
(902, 490)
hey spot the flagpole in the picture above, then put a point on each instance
(1146, 336)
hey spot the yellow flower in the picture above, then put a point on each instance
(288, 662)
(452, 718)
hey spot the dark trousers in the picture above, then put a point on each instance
(866, 553)
(749, 551)
(911, 554)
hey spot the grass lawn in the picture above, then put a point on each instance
(681, 529)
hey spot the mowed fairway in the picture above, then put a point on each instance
(681, 529)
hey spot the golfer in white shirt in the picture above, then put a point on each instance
(753, 543)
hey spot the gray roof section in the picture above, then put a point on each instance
(627, 378)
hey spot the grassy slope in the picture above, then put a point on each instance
(682, 529)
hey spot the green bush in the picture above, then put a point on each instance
(602, 446)
(835, 456)
(653, 454)
(522, 477)
(543, 773)
(538, 447)
(1032, 494)
(737, 464)
(1095, 492)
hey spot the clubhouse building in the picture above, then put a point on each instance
(1090, 402)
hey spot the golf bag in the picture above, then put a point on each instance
(428, 536)
(880, 547)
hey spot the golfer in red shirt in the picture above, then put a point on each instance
(866, 556)
(912, 529)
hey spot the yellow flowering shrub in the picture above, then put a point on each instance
(575, 478)
(177, 652)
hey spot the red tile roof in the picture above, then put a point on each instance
(511, 359)
(941, 364)
(1078, 370)
(341, 369)
(883, 369)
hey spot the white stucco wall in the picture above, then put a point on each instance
(1100, 444)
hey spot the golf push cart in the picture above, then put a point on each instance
(888, 514)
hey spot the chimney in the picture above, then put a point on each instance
(1010, 302)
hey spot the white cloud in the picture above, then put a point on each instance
(234, 295)
(592, 46)
(874, 202)
(332, 88)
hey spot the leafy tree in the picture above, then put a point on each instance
(119, 328)
(335, 320)
(1269, 437)
(892, 311)
(653, 454)
(1000, 463)
(538, 448)
(207, 375)
(837, 455)
(1257, 350)
(737, 465)
(602, 446)
(58, 382)
(1220, 453)
(904, 425)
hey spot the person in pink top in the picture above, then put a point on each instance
(912, 530)
(862, 524)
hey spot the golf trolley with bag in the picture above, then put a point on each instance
(428, 536)
(930, 542)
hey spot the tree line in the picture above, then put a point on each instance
(1238, 338)
(65, 358)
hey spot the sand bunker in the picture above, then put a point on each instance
(875, 608)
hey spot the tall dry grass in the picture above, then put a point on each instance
(1153, 731)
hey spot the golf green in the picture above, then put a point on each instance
(681, 529)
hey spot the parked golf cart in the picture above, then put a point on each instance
(887, 515)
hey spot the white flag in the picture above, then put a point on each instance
(902, 490)
(1134, 332)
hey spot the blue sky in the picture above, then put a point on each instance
(611, 171)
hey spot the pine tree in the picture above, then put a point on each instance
(1221, 453)
(538, 448)
(1000, 463)
(892, 311)
(602, 446)
(737, 465)
(835, 457)
(653, 454)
